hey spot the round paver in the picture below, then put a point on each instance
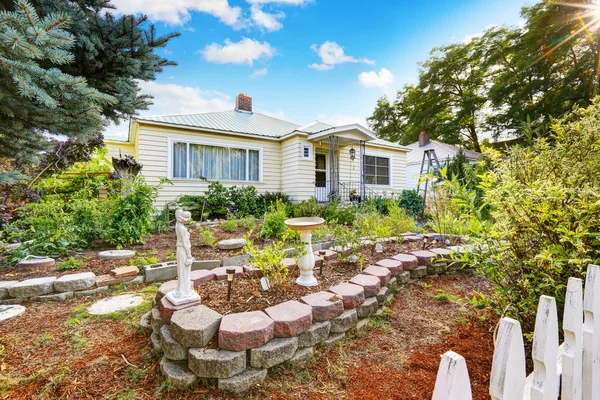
(291, 318)
(442, 252)
(232, 244)
(424, 256)
(394, 266)
(352, 295)
(116, 254)
(34, 261)
(247, 330)
(371, 284)
(117, 303)
(409, 262)
(325, 305)
(9, 312)
(382, 273)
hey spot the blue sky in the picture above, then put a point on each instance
(302, 60)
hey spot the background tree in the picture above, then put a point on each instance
(447, 102)
(70, 83)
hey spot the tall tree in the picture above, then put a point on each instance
(68, 68)
(447, 101)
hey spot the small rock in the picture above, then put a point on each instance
(155, 342)
(177, 373)
(113, 304)
(73, 282)
(195, 326)
(344, 322)
(171, 348)
(243, 382)
(368, 308)
(404, 277)
(317, 333)
(232, 244)
(275, 352)
(334, 338)
(156, 322)
(362, 324)
(419, 272)
(216, 363)
(425, 257)
(382, 294)
(302, 355)
(165, 288)
(379, 248)
(145, 321)
(116, 254)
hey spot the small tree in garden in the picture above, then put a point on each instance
(545, 205)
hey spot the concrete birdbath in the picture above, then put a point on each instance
(306, 263)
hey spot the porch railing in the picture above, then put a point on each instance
(346, 191)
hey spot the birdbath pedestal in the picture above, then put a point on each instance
(306, 263)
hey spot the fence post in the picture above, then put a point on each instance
(572, 353)
(591, 334)
(452, 382)
(507, 379)
(544, 382)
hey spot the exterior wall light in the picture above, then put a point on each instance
(352, 154)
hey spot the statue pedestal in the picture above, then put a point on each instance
(177, 301)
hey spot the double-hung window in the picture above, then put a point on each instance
(195, 160)
(377, 170)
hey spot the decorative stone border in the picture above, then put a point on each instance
(250, 343)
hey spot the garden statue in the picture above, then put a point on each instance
(184, 293)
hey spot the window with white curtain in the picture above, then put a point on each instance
(195, 160)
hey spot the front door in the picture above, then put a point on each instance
(321, 183)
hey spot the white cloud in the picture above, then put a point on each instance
(338, 119)
(382, 79)
(246, 51)
(170, 98)
(333, 54)
(278, 115)
(177, 12)
(167, 52)
(259, 72)
(266, 20)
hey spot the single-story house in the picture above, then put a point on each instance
(443, 152)
(241, 147)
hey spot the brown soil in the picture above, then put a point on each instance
(41, 356)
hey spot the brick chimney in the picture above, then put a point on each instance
(243, 103)
(423, 139)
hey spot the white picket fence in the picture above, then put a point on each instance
(571, 370)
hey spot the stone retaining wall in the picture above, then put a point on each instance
(250, 343)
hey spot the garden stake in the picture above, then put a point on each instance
(322, 256)
(230, 272)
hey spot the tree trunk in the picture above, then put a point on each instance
(474, 138)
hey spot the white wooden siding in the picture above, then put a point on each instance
(297, 174)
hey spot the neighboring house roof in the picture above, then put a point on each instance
(442, 152)
(255, 124)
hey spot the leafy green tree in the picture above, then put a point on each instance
(447, 102)
(68, 68)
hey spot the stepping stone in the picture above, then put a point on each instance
(413, 238)
(344, 322)
(177, 373)
(425, 257)
(167, 309)
(213, 363)
(325, 305)
(275, 352)
(232, 244)
(120, 272)
(201, 276)
(165, 288)
(221, 272)
(247, 330)
(113, 304)
(107, 280)
(32, 287)
(442, 252)
(368, 308)
(73, 282)
(4, 285)
(291, 318)
(383, 274)
(195, 326)
(170, 347)
(317, 333)
(352, 295)
(371, 284)
(394, 266)
(10, 311)
(409, 262)
(42, 262)
(243, 382)
(329, 255)
(116, 254)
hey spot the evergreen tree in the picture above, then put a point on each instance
(68, 68)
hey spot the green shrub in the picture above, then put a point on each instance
(248, 223)
(218, 199)
(399, 220)
(412, 202)
(207, 237)
(274, 224)
(334, 212)
(131, 217)
(141, 261)
(246, 201)
(71, 263)
(545, 206)
(269, 199)
(268, 260)
(229, 226)
(308, 208)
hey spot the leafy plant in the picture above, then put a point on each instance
(269, 199)
(142, 261)
(229, 225)
(71, 263)
(207, 237)
(412, 202)
(247, 223)
(268, 260)
(274, 224)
